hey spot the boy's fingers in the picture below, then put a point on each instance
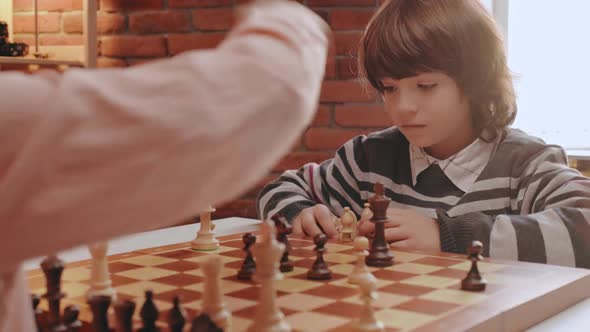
(326, 220)
(395, 234)
(309, 224)
(403, 244)
(366, 228)
(297, 227)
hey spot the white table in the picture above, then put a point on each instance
(575, 318)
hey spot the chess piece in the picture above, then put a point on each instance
(213, 305)
(249, 265)
(39, 321)
(348, 228)
(366, 214)
(71, 320)
(283, 230)
(205, 239)
(100, 280)
(202, 323)
(268, 254)
(176, 317)
(149, 314)
(124, 312)
(99, 305)
(473, 281)
(379, 253)
(53, 268)
(367, 322)
(360, 270)
(319, 270)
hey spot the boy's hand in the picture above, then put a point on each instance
(312, 218)
(407, 229)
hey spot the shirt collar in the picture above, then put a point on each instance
(462, 168)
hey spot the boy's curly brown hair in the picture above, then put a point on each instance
(456, 37)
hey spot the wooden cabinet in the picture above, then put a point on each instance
(77, 56)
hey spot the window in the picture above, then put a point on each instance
(548, 52)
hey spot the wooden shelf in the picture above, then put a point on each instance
(78, 56)
(58, 55)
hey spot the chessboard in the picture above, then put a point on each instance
(420, 292)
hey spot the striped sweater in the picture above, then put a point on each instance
(526, 204)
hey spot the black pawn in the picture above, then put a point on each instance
(124, 312)
(99, 305)
(319, 270)
(53, 267)
(149, 314)
(176, 317)
(71, 320)
(203, 323)
(36, 299)
(283, 230)
(473, 281)
(249, 265)
(379, 253)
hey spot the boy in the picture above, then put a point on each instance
(453, 169)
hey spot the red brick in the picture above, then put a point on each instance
(61, 40)
(197, 3)
(347, 67)
(329, 138)
(295, 160)
(166, 21)
(330, 71)
(323, 116)
(369, 115)
(104, 62)
(350, 19)
(213, 19)
(347, 42)
(26, 23)
(343, 91)
(178, 43)
(60, 5)
(22, 5)
(105, 23)
(29, 40)
(114, 5)
(340, 3)
(140, 46)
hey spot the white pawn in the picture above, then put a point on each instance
(213, 304)
(366, 214)
(360, 244)
(100, 280)
(367, 322)
(267, 254)
(205, 239)
(348, 229)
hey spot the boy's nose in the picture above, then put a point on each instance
(406, 103)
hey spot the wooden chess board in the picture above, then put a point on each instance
(421, 291)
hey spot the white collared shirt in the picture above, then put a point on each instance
(462, 169)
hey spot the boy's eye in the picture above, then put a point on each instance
(427, 86)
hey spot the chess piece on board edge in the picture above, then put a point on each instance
(348, 226)
(213, 304)
(267, 253)
(149, 314)
(319, 270)
(284, 228)
(474, 281)
(366, 321)
(99, 305)
(53, 268)
(379, 253)
(124, 310)
(70, 318)
(176, 316)
(205, 239)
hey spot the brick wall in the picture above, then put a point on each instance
(134, 31)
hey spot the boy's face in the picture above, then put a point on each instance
(431, 112)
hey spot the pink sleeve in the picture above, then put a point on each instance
(97, 154)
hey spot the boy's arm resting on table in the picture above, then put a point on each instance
(333, 183)
(553, 226)
(95, 154)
